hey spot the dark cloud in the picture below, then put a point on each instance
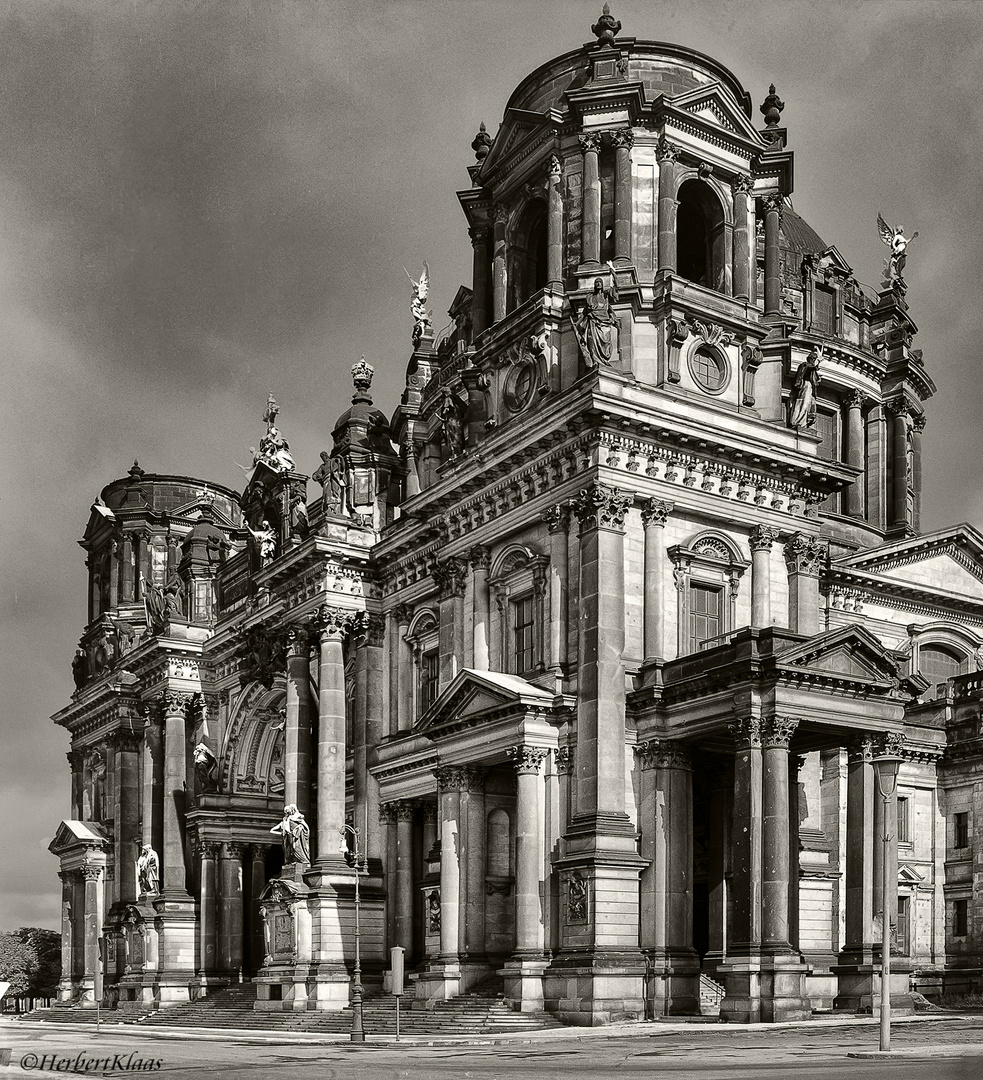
(201, 201)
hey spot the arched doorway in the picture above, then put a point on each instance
(527, 272)
(700, 249)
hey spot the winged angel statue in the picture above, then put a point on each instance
(422, 318)
(898, 243)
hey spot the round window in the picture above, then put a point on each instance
(710, 370)
(519, 385)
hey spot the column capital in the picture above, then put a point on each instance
(663, 754)
(772, 204)
(554, 166)
(428, 808)
(856, 399)
(450, 577)
(898, 406)
(479, 557)
(232, 849)
(562, 759)
(742, 184)
(500, 214)
(387, 815)
(656, 512)
(861, 748)
(557, 517)
(762, 537)
(90, 871)
(459, 778)
(527, 759)
(258, 851)
(590, 142)
(331, 622)
(918, 422)
(600, 506)
(891, 742)
(805, 554)
(403, 614)
(666, 150)
(747, 732)
(777, 731)
(622, 138)
(173, 702)
(207, 849)
(480, 234)
(372, 629)
(297, 639)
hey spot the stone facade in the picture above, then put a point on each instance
(593, 639)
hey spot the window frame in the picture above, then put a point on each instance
(903, 817)
(520, 575)
(960, 917)
(423, 638)
(713, 560)
(960, 830)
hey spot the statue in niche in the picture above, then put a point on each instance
(451, 412)
(265, 539)
(162, 603)
(898, 243)
(206, 768)
(300, 525)
(422, 318)
(295, 835)
(802, 405)
(433, 912)
(595, 328)
(148, 870)
(332, 475)
(80, 668)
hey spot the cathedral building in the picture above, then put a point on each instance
(594, 639)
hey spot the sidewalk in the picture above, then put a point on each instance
(628, 1029)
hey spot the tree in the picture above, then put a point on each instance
(30, 960)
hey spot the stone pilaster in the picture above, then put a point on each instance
(401, 672)
(481, 296)
(230, 909)
(557, 518)
(93, 878)
(480, 561)
(655, 514)
(899, 412)
(208, 907)
(450, 577)
(804, 558)
(856, 452)
(173, 876)
(499, 278)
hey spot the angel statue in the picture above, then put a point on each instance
(898, 243)
(265, 537)
(802, 405)
(422, 318)
(596, 325)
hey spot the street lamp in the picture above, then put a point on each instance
(353, 856)
(886, 769)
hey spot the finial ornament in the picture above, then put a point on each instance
(772, 107)
(362, 378)
(606, 28)
(898, 243)
(482, 143)
(422, 318)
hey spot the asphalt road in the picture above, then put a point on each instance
(807, 1051)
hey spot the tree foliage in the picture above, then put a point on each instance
(30, 960)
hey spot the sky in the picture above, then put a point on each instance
(201, 202)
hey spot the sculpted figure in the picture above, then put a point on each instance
(451, 413)
(802, 406)
(80, 668)
(148, 870)
(206, 768)
(265, 538)
(418, 305)
(898, 243)
(295, 835)
(596, 326)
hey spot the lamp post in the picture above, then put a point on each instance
(886, 769)
(353, 856)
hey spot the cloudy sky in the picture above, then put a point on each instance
(202, 201)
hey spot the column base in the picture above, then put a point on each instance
(859, 989)
(764, 990)
(441, 981)
(524, 984)
(597, 988)
(672, 983)
(177, 957)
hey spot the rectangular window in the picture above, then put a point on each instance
(904, 826)
(960, 918)
(961, 832)
(524, 650)
(705, 610)
(904, 925)
(429, 679)
(824, 310)
(828, 450)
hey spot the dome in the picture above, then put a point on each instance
(798, 236)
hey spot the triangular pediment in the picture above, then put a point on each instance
(850, 650)
(712, 105)
(908, 875)
(949, 562)
(72, 835)
(473, 695)
(518, 128)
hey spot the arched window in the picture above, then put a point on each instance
(700, 255)
(939, 663)
(527, 273)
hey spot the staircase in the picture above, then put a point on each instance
(711, 994)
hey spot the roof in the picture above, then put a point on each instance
(799, 235)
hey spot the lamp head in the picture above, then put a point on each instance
(886, 769)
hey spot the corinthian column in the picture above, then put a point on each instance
(297, 723)
(741, 189)
(480, 564)
(775, 840)
(917, 427)
(554, 225)
(666, 154)
(855, 452)
(450, 577)
(590, 225)
(622, 140)
(173, 876)
(331, 625)
(899, 410)
(761, 540)
(804, 557)
(655, 514)
(401, 672)
(773, 278)
(499, 279)
(528, 760)
(557, 520)
(480, 236)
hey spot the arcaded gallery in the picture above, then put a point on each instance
(586, 652)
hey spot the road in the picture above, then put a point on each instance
(807, 1051)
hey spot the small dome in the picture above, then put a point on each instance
(798, 236)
